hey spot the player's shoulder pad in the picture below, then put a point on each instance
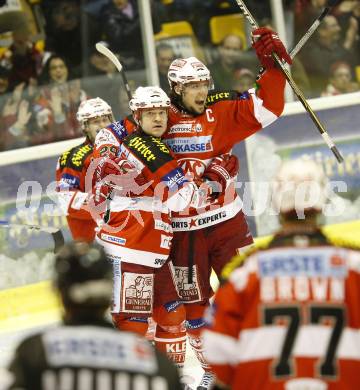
(75, 157)
(238, 260)
(335, 238)
(218, 96)
(150, 150)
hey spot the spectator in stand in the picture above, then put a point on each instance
(323, 50)
(164, 55)
(244, 79)
(70, 31)
(4, 85)
(231, 56)
(341, 80)
(306, 11)
(121, 29)
(102, 78)
(57, 105)
(22, 58)
(348, 14)
(15, 117)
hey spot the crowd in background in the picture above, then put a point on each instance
(41, 86)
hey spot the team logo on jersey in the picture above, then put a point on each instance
(137, 292)
(200, 144)
(192, 166)
(198, 128)
(189, 292)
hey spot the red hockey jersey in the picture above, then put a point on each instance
(289, 318)
(229, 118)
(70, 176)
(139, 229)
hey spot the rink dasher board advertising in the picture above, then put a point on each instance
(27, 192)
(294, 135)
(27, 187)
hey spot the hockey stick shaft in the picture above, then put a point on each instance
(312, 28)
(295, 88)
(112, 57)
(56, 233)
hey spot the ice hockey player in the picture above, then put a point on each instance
(86, 352)
(203, 126)
(138, 234)
(93, 114)
(288, 315)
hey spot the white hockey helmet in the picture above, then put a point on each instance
(299, 185)
(92, 108)
(188, 70)
(149, 97)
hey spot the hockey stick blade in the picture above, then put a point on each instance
(109, 54)
(56, 233)
(101, 48)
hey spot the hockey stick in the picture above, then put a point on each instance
(56, 233)
(330, 5)
(295, 88)
(112, 57)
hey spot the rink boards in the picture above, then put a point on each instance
(37, 305)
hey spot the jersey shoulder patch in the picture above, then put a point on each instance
(148, 149)
(75, 157)
(218, 96)
(118, 129)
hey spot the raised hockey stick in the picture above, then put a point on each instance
(329, 6)
(296, 89)
(56, 233)
(112, 57)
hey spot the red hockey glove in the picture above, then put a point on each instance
(118, 176)
(265, 42)
(112, 166)
(220, 171)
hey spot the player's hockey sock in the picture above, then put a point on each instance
(194, 328)
(131, 324)
(171, 343)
